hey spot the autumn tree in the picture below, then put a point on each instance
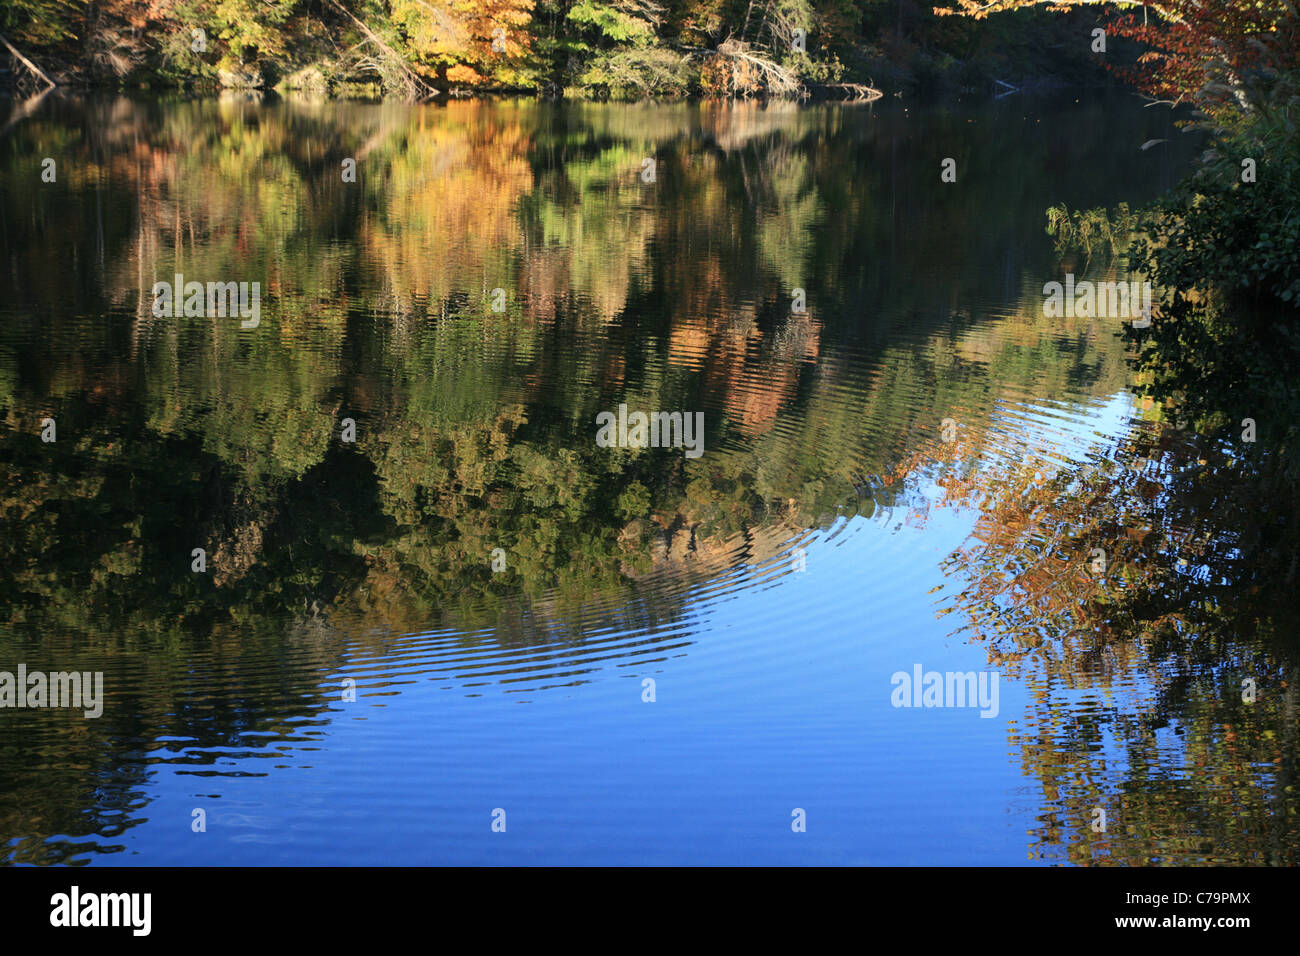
(464, 42)
(1225, 54)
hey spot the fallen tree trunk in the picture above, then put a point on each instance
(413, 79)
(26, 62)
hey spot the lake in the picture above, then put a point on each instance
(364, 587)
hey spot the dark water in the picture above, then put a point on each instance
(827, 537)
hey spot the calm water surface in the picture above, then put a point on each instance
(827, 538)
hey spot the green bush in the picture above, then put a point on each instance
(1224, 256)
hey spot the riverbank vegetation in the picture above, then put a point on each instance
(620, 48)
(1223, 247)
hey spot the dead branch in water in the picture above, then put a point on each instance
(855, 92)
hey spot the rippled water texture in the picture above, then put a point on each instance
(763, 594)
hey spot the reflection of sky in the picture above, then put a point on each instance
(779, 699)
(1062, 432)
